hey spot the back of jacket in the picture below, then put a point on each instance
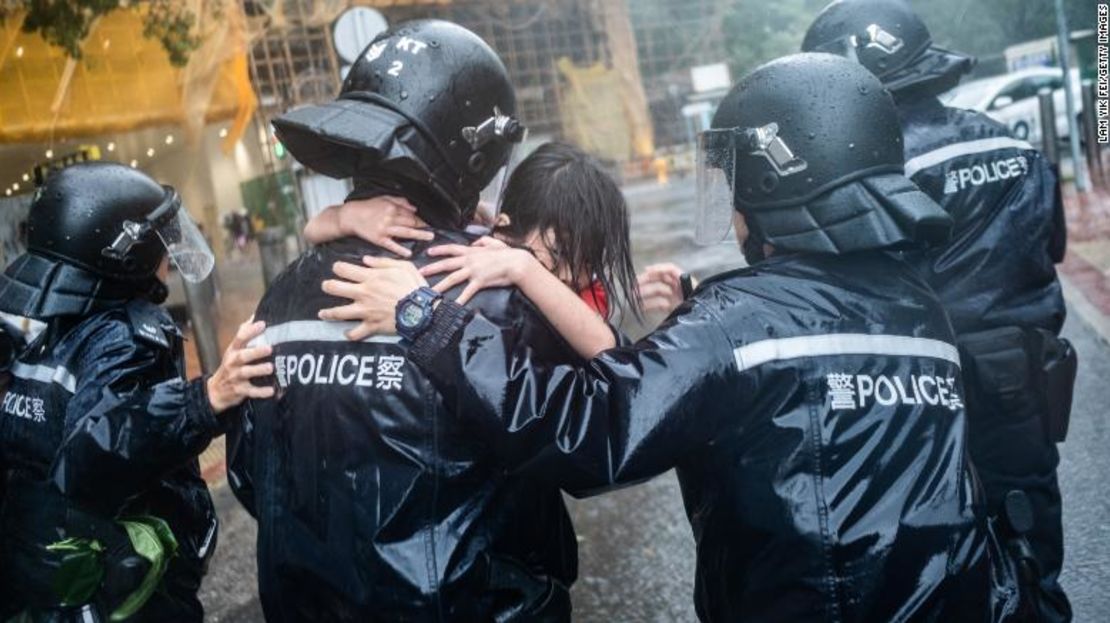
(374, 501)
(836, 486)
(814, 410)
(998, 268)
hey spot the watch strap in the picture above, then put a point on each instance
(447, 320)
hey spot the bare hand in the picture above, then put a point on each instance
(231, 384)
(374, 290)
(660, 287)
(487, 265)
(380, 220)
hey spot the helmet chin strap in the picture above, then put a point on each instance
(753, 247)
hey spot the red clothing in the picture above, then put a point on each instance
(596, 298)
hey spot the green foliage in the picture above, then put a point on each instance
(756, 33)
(80, 570)
(987, 28)
(65, 23)
(173, 25)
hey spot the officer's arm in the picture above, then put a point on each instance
(1049, 178)
(240, 454)
(132, 419)
(628, 414)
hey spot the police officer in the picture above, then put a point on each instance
(995, 277)
(811, 403)
(103, 511)
(373, 502)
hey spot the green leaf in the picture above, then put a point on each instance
(152, 539)
(80, 570)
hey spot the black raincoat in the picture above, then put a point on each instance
(374, 500)
(997, 280)
(99, 424)
(813, 408)
(998, 269)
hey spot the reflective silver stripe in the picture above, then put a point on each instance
(45, 374)
(766, 351)
(948, 152)
(203, 551)
(87, 615)
(314, 331)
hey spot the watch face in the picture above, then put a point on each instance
(411, 314)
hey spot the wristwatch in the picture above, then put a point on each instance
(414, 312)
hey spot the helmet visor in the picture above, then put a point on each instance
(492, 197)
(186, 246)
(841, 46)
(715, 155)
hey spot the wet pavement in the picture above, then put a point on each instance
(636, 550)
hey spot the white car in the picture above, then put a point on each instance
(1012, 99)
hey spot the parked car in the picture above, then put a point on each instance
(1012, 99)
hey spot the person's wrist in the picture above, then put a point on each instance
(523, 265)
(342, 221)
(215, 400)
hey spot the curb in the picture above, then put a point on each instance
(1091, 315)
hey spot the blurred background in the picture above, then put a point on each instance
(185, 90)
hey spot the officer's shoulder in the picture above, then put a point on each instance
(502, 306)
(751, 278)
(740, 288)
(762, 285)
(150, 323)
(969, 125)
(138, 321)
(509, 307)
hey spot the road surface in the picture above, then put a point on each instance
(637, 553)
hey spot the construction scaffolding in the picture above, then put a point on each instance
(530, 37)
(671, 38)
(610, 75)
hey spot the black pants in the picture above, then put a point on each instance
(1012, 447)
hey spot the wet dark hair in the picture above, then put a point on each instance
(562, 188)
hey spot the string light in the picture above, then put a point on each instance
(111, 146)
(150, 152)
(134, 163)
(19, 52)
(223, 132)
(15, 186)
(49, 154)
(169, 139)
(26, 177)
(8, 192)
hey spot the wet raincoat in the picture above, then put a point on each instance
(99, 425)
(813, 408)
(997, 280)
(374, 499)
(999, 267)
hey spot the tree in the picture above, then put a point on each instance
(988, 28)
(760, 32)
(66, 23)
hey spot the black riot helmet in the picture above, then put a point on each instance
(808, 148)
(429, 104)
(96, 236)
(891, 41)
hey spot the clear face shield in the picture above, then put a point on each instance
(717, 172)
(503, 128)
(715, 159)
(184, 243)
